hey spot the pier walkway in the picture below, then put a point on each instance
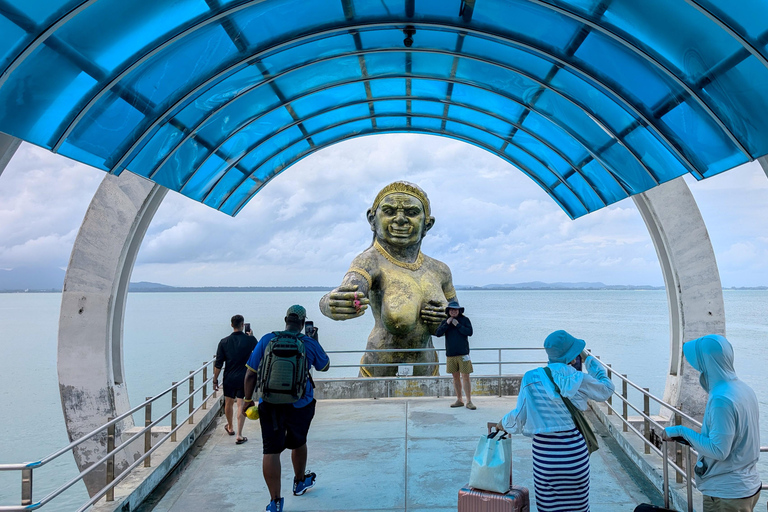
(394, 454)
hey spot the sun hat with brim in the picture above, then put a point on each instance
(453, 305)
(563, 348)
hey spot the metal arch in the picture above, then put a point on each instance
(557, 123)
(375, 131)
(239, 6)
(445, 102)
(389, 114)
(733, 33)
(540, 52)
(41, 38)
(653, 61)
(193, 130)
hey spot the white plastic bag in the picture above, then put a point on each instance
(492, 463)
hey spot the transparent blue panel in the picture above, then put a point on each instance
(336, 116)
(585, 6)
(742, 108)
(182, 163)
(620, 65)
(240, 142)
(379, 64)
(678, 32)
(239, 197)
(221, 190)
(266, 22)
(427, 124)
(308, 52)
(328, 98)
(80, 155)
(204, 178)
(582, 189)
(547, 155)
(749, 15)
(390, 107)
(343, 131)
(602, 180)
(487, 101)
(504, 53)
(473, 134)
(628, 169)
(508, 82)
(654, 154)
(554, 106)
(702, 138)
(111, 32)
(427, 64)
(268, 148)
(530, 21)
(319, 75)
(393, 38)
(34, 114)
(155, 150)
(106, 127)
(555, 136)
(429, 89)
(569, 201)
(429, 9)
(391, 122)
(40, 11)
(379, 9)
(183, 65)
(240, 112)
(223, 92)
(280, 161)
(388, 87)
(12, 41)
(491, 124)
(427, 107)
(523, 159)
(596, 101)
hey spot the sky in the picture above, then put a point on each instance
(493, 224)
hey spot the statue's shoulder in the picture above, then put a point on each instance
(368, 259)
(437, 265)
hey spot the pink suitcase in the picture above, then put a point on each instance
(475, 500)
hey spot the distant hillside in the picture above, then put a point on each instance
(539, 285)
(19, 279)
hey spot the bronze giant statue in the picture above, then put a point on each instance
(406, 290)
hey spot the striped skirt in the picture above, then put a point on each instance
(561, 472)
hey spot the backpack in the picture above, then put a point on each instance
(283, 369)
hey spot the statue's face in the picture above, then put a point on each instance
(400, 220)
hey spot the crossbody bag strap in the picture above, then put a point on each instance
(577, 416)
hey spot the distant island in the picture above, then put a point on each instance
(48, 280)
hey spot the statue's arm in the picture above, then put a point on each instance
(350, 299)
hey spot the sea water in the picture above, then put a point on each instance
(169, 334)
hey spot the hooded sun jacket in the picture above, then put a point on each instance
(729, 442)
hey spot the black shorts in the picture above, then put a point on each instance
(234, 385)
(284, 426)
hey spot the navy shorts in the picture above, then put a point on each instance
(284, 426)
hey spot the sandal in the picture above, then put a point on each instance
(457, 403)
(230, 432)
(471, 406)
(241, 441)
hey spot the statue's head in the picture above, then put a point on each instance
(400, 214)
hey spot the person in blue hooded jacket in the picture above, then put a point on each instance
(560, 453)
(729, 442)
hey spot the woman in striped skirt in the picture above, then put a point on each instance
(560, 455)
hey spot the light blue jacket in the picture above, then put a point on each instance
(729, 442)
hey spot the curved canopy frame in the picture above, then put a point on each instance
(595, 100)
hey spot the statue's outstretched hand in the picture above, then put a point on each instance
(433, 312)
(346, 302)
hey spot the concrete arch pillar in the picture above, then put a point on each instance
(8, 147)
(692, 281)
(90, 358)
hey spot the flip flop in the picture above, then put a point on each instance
(230, 432)
(241, 441)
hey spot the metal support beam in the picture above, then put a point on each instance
(8, 147)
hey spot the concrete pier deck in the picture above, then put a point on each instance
(395, 454)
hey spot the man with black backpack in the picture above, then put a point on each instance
(279, 369)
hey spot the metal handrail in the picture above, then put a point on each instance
(29, 466)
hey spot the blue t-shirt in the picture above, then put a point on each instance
(316, 357)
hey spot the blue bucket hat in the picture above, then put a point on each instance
(563, 348)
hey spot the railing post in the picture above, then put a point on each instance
(610, 398)
(110, 460)
(646, 423)
(191, 396)
(499, 372)
(624, 427)
(174, 403)
(148, 433)
(678, 451)
(26, 486)
(205, 385)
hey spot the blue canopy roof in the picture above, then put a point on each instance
(595, 100)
